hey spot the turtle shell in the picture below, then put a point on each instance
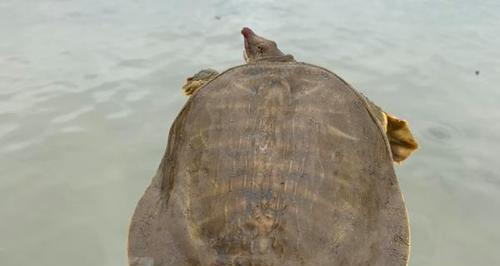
(273, 164)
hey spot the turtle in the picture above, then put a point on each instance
(275, 163)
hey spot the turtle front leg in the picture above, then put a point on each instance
(400, 138)
(199, 79)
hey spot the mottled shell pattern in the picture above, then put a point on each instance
(273, 164)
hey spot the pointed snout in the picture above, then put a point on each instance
(247, 32)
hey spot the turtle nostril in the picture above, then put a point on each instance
(246, 32)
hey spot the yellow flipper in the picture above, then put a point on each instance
(400, 138)
(197, 80)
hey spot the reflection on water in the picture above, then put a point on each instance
(88, 90)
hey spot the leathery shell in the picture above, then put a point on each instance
(273, 164)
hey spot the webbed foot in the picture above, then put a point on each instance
(198, 80)
(400, 138)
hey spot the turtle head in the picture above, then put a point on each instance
(261, 49)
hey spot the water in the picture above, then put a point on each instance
(88, 90)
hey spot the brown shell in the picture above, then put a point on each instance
(273, 164)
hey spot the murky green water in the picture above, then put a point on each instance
(88, 90)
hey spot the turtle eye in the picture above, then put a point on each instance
(261, 49)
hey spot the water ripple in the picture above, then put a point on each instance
(7, 129)
(100, 67)
(72, 115)
(443, 134)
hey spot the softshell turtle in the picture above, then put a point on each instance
(275, 163)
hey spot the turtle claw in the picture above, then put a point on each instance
(199, 79)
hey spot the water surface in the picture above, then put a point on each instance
(88, 90)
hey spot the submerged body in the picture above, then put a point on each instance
(273, 163)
